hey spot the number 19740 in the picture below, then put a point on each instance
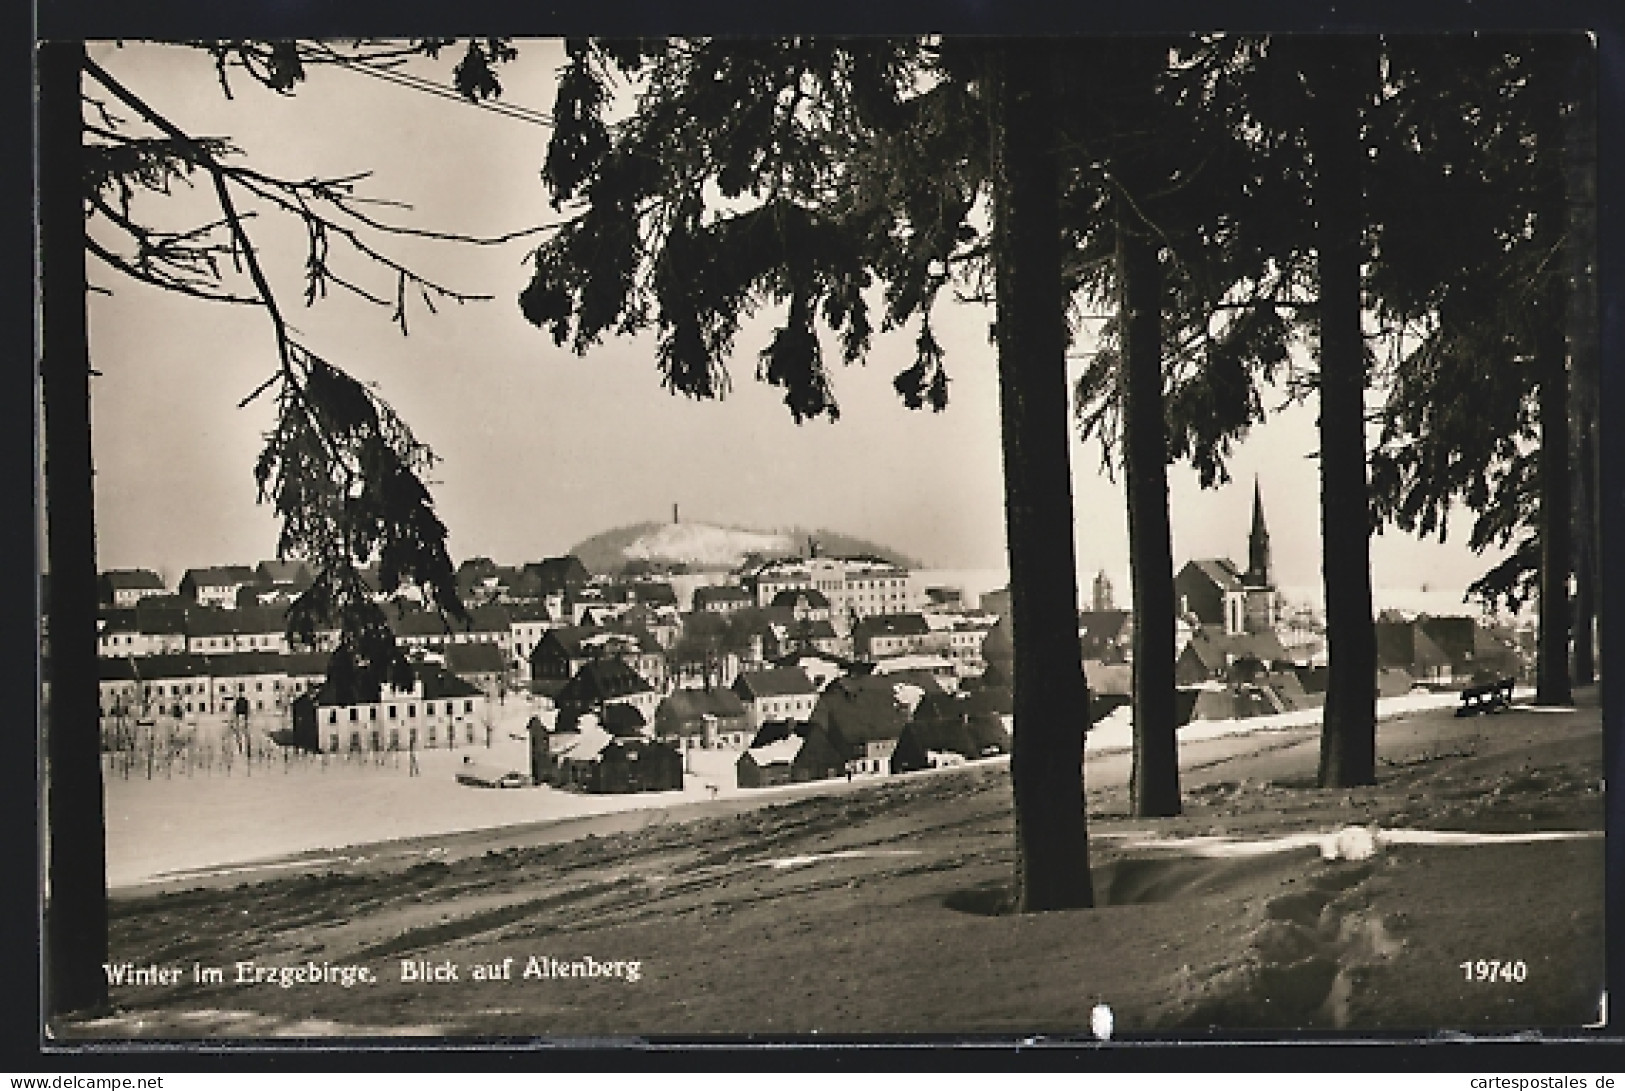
(1489, 969)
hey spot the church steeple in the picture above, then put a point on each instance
(1259, 573)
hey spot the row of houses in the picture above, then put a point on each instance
(806, 716)
(182, 684)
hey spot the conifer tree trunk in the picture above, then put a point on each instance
(1580, 155)
(76, 902)
(1552, 678)
(1348, 742)
(1050, 697)
(1154, 778)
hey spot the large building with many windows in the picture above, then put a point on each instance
(855, 587)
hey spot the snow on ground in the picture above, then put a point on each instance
(1116, 730)
(211, 819)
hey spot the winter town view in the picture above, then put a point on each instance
(625, 713)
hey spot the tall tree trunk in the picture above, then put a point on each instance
(1051, 699)
(1552, 678)
(1154, 778)
(76, 874)
(1348, 744)
(1580, 161)
(1552, 684)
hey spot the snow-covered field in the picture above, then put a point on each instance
(177, 822)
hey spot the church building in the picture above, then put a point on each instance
(1212, 591)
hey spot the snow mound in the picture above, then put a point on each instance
(703, 544)
(1350, 843)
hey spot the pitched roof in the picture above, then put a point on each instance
(1220, 570)
(720, 593)
(684, 705)
(237, 664)
(816, 600)
(421, 623)
(554, 574)
(603, 680)
(475, 659)
(860, 709)
(622, 720)
(773, 682)
(220, 576)
(132, 579)
(1102, 624)
(440, 683)
(890, 625)
(208, 621)
(305, 663)
(1214, 649)
(491, 618)
(293, 573)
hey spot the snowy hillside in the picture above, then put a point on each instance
(706, 546)
(702, 545)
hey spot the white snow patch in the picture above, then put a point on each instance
(908, 695)
(703, 544)
(783, 862)
(1348, 843)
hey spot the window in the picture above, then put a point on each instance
(468, 706)
(428, 709)
(260, 705)
(391, 712)
(354, 713)
(412, 737)
(432, 734)
(333, 741)
(259, 687)
(394, 738)
(372, 712)
(411, 712)
(333, 716)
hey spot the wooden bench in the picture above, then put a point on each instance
(1488, 697)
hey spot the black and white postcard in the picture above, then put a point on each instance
(1081, 537)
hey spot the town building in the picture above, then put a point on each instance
(777, 693)
(607, 680)
(216, 586)
(725, 598)
(855, 587)
(878, 636)
(785, 753)
(122, 587)
(1214, 591)
(705, 719)
(438, 709)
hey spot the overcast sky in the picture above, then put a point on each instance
(542, 448)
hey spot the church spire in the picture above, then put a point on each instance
(1258, 544)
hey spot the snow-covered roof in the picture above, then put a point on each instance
(782, 751)
(593, 738)
(913, 662)
(908, 695)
